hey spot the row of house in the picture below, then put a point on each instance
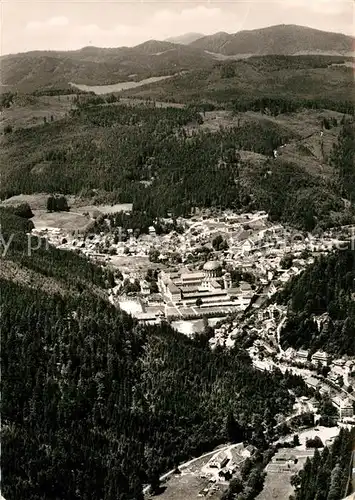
(303, 356)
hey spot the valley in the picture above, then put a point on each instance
(177, 269)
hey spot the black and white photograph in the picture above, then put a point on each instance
(177, 242)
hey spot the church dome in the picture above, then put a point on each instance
(212, 265)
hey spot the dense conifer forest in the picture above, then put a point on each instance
(151, 157)
(326, 475)
(95, 405)
(31, 253)
(312, 81)
(327, 286)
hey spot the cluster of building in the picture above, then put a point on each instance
(265, 325)
(209, 290)
(251, 239)
(226, 463)
(303, 356)
(290, 461)
(195, 277)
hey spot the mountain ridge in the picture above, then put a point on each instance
(185, 38)
(283, 39)
(99, 66)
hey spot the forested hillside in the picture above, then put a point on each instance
(95, 405)
(281, 39)
(36, 70)
(327, 286)
(90, 65)
(325, 476)
(343, 160)
(32, 258)
(293, 77)
(151, 157)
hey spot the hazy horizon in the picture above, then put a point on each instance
(72, 25)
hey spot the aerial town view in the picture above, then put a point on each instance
(177, 240)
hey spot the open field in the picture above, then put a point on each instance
(324, 433)
(277, 486)
(66, 221)
(194, 481)
(188, 486)
(105, 209)
(118, 87)
(277, 482)
(29, 111)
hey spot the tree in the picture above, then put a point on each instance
(62, 204)
(154, 481)
(316, 442)
(22, 210)
(286, 261)
(50, 204)
(199, 302)
(217, 241)
(234, 430)
(335, 484)
(296, 440)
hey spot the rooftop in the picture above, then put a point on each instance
(212, 265)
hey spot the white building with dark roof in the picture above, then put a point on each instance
(312, 382)
(204, 289)
(320, 357)
(302, 355)
(344, 406)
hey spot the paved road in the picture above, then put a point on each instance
(278, 333)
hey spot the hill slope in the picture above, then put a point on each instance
(98, 66)
(186, 38)
(137, 400)
(167, 160)
(281, 39)
(297, 77)
(325, 288)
